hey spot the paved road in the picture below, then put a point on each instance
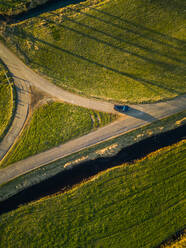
(138, 116)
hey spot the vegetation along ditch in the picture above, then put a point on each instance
(50, 5)
(85, 170)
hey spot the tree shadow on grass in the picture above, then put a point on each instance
(128, 42)
(167, 66)
(143, 29)
(129, 30)
(146, 82)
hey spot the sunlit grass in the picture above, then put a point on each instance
(179, 243)
(136, 205)
(128, 51)
(53, 124)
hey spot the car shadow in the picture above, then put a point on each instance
(138, 114)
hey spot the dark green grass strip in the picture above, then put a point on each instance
(135, 206)
(7, 96)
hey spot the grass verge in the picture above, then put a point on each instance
(179, 242)
(108, 148)
(123, 51)
(53, 124)
(136, 205)
(7, 98)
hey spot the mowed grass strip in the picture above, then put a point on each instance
(53, 124)
(6, 102)
(123, 50)
(136, 205)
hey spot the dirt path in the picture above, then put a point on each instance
(24, 77)
(139, 115)
(28, 76)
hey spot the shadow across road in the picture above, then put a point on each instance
(138, 114)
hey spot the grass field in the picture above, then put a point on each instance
(136, 205)
(6, 101)
(123, 50)
(53, 124)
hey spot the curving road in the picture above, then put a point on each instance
(20, 117)
(139, 115)
(24, 77)
(23, 73)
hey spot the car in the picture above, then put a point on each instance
(121, 108)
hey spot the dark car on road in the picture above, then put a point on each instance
(121, 108)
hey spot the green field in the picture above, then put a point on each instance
(6, 102)
(53, 124)
(133, 206)
(123, 50)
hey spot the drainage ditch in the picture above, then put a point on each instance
(83, 171)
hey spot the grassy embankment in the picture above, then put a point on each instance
(11, 7)
(104, 149)
(178, 243)
(6, 101)
(137, 205)
(53, 124)
(123, 50)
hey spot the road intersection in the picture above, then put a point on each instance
(25, 77)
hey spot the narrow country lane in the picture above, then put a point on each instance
(23, 73)
(20, 117)
(24, 77)
(138, 116)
